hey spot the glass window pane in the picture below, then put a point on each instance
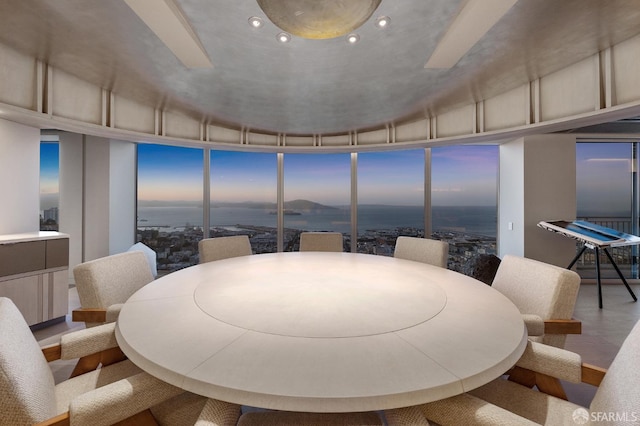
(244, 197)
(170, 203)
(317, 196)
(464, 183)
(390, 199)
(49, 185)
(604, 196)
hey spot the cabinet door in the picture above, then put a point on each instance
(58, 293)
(26, 293)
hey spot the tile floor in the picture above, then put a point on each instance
(603, 331)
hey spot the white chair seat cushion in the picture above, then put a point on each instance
(66, 391)
(217, 413)
(407, 416)
(531, 404)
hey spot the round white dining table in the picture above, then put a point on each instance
(321, 332)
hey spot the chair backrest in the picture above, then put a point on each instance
(113, 279)
(538, 288)
(27, 394)
(425, 250)
(619, 392)
(321, 241)
(152, 256)
(219, 248)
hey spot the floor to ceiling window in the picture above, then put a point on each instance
(170, 212)
(464, 206)
(317, 196)
(49, 185)
(605, 185)
(244, 197)
(390, 199)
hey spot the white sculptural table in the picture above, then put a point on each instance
(321, 332)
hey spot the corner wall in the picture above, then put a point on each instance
(538, 178)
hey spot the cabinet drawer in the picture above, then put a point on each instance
(57, 253)
(18, 258)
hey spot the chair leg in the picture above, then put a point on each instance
(550, 386)
(144, 418)
(522, 376)
(86, 364)
(111, 356)
(91, 362)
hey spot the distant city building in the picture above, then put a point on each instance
(50, 214)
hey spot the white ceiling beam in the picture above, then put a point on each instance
(166, 20)
(475, 19)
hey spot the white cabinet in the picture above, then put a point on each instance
(34, 274)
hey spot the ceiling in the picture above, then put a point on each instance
(307, 86)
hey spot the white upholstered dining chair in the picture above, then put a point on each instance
(502, 402)
(321, 241)
(116, 391)
(219, 248)
(545, 294)
(104, 285)
(425, 250)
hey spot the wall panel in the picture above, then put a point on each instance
(262, 139)
(626, 70)
(177, 125)
(509, 109)
(415, 131)
(372, 138)
(131, 115)
(457, 122)
(76, 99)
(20, 71)
(572, 90)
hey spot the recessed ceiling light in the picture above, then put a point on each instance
(283, 37)
(353, 38)
(383, 22)
(255, 22)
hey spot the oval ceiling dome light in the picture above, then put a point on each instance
(313, 19)
(353, 38)
(255, 22)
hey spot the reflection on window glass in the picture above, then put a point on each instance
(604, 196)
(244, 197)
(390, 199)
(49, 186)
(170, 203)
(317, 196)
(464, 182)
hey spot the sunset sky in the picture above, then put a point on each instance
(461, 175)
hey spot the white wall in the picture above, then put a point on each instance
(537, 182)
(19, 178)
(109, 196)
(71, 192)
(96, 198)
